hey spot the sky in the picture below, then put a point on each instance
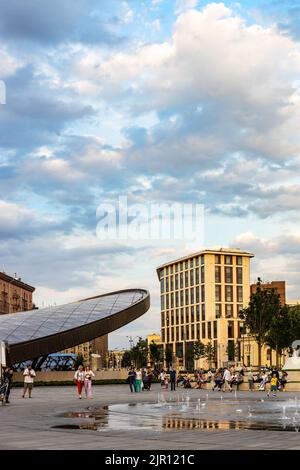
(159, 101)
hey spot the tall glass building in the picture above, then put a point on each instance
(201, 296)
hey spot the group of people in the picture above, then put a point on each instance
(140, 379)
(83, 379)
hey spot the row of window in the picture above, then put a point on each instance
(199, 331)
(225, 275)
(229, 260)
(186, 279)
(228, 293)
(183, 297)
(187, 264)
(183, 315)
(227, 310)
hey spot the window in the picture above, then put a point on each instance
(176, 268)
(191, 262)
(230, 329)
(218, 293)
(217, 259)
(203, 331)
(209, 330)
(186, 264)
(176, 281)
(162, 274)
(186, 279)
(239, 308)
(177, 333)
(167, 301)
(228, 259)
(172, 283)
(172, 300)
(198, 313)
(218, 310)
(197, 275)
(163, 335)
(172, 334)
(215, 329)
(181, 280)
(202, 275)
(186, 296)
(239, 275)
(167, 284)
(197, 295)
(203, 312)
(176, 299)
(197, 261)
(203, 293)
(228, 310)
(182, 333)
(172, 317)
(240, 329)
(162, 301)
(182, 315)
(181, 297)
(198, 331)
(217, 274)
(162, 286)
(192, 296)
(187, 317)
(239, 293)
(187, 332)
(228, 294)
(181, 266)
(171, 269)
(192, 314)
(192, 277)
(162, 319)
(239, 260)
(228, 275)
(167, 319)
(202, 259)
(177, 316)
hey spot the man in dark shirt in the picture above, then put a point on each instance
(131, 378)
(8, 376)
(173, 378)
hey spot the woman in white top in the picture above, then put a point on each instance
(138, 381)
(88, 382)
(79, 377)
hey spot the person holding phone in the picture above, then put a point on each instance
(29, 376)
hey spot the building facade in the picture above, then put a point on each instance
(201, 296)
(15, 295)
(278, 286)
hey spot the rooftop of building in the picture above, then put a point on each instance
(216, 251)
(16, 281)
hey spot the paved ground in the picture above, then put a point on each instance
(28, 424)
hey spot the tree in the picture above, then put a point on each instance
(199, 350)
(294, 319)
(263, 306)
(78, 361)
(233, 350)
(168, 356)
(280, 335)
(139, 353)
(126, 359)
(155, 353)
(210, 353)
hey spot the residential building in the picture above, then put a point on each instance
(201, 296)
(15, 295)
(278, 286)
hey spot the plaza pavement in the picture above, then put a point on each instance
(28, 424)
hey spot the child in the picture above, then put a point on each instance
(274, 385)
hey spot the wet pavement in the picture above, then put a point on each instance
(117, 419)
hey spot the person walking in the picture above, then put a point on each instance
(227, 377)
(29, 375)
(138, 381)
(131, 378)
(8, 377)
(173, 379)
(79, 377)
(250, 380)
(89, 374)
(163, 376)
(218, 380)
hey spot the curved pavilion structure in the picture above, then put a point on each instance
(37, 333)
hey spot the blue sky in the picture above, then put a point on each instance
(162, 101)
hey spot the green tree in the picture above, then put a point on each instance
(139, 353)
(199, 350)
(126, 359)
(280, 335)
(210, 353)
(294, 321)
(263, 306)
(168, 356)
(155, 353)
(78, 361)
(233, 350)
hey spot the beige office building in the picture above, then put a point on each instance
(201, 296)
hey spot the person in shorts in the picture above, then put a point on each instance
(274, 385)
(29, 376)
